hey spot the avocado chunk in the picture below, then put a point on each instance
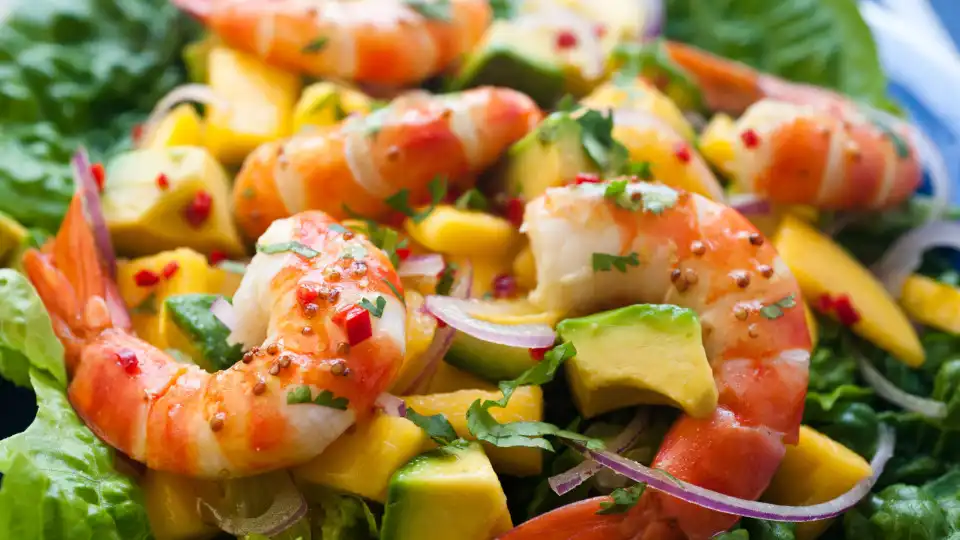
(451, 492)
(492, 361)
(207, 335)
(165, 198)
(640, 354)
(551, 155)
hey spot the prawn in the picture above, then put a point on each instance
(298, 315)
(382, 42)
(362, 162)
(799, 144)
(705, 256)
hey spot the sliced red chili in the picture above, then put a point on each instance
(515, 208)
(682, 151)
(162, 181)
(566, 39)
(750, 138)
(587, 178)
(504, 286)
(197, 210)
(539, 353)
(356, 322)
(217, 257)
(128, 361)
(146, 278)
(403, 253)
(825, 303)
(99, 175)
(170, 269)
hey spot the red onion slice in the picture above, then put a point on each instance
(930, 408)
(749, 204)
(391, 405)
(224, 311)
(566, 482)
(90, 193)
(421, 266)
(742, 507)
(456, 313)
(229, 509)
(906, 254)
(653, 18)
(187, 93)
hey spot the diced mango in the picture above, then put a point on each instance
(327, 103)
(816, 470)
(822, 267)
(224, 282)
(715, 143)
(932, 303)
(812, 325)
(525, 269)
(181, 127)
(513, 312)
(171, 503)
(259, 101)
(420, 328)
(525, 405)
(643, 96)
(452, 231)
(362, 460)
(450, 379)
(485, 270)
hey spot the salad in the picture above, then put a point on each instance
(515, 269)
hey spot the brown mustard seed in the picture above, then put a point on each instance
(333, 274)
(740, 312)
(273, 349)
(348, 235)
(334, 295)
(339, 368)
(393, 153)
(274, 369)
(216, 423)
(310, 311)
(248, 357)
(285, 361)
(752, 331)
(358, 268)
(259, 388)
(765, 270)
(675, 275)
(690, 276)
(306, 330)
(756, 239)
(698, 248)
(742, 278)
(255, 350)
(343, 348)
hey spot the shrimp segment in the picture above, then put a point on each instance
(237, 422)
(707, 257)
(387, 42)
(364, 161)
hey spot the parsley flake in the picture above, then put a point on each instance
(299, 394)
(328, 399)
(616, 191)
(596, 136)
(400, 201)
(622, 500)
(472, 200)
(296, 247)
(375, 309)
(605, 262)
(641, 170)
(315, 46)
(440, 10)
(437, 427)
(775, 310)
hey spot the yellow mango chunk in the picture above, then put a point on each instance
(485, 270)
(822, 267)
(525, 405)
(258, 99)
(420, 328)
(450, 379)
(812, 325)
(171, 503)
(816, 470)
(362, 460)
(932, 303)
(181, 127)
(525, 269)
(326, 104)
(642, 96)
(452, 231)
(715, 143)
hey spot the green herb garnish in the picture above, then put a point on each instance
(353, 251)
(445, 283)
(146, 307)
(623, 499)
(400, 201)
(437, 9)
(775, 310)
(437, 427)
(596, 136)
(396, 292)
(315, 46)
(605, 262)
(296, 247)
(338, 228)
(656, 201)
(641, 170)
(375, 309)
(472, 200)
(298, 394)
(326, 398)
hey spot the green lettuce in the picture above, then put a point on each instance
(58, 480)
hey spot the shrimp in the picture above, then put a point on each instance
(382, 42)
(363, 161)
(798, 144)
(296, 314)
(705, 256)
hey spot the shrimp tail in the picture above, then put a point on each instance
(79, 296)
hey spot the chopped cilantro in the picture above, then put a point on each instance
(436, 9)
(400, 201)
(315, 45)
(596, 136)
(657, 201)
(353, 251)
(652, 59)
(282, 247)
(616, 191)
(338, 228)
(396, 292)
(445, 282)
(472, 200)
(605, 262)
(327, 399)
(622, 500)
(147, 307)
(437, 427)
(641, 170)
(299, 394)
(775, 310)
(375, 309)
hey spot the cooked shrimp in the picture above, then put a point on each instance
(798, 144)
(385, 42)
(364, 161)
(707, 257)
(301, 311)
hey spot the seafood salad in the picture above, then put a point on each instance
(470, 269)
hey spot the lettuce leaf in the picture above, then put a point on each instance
(26, 335)
(822, 42)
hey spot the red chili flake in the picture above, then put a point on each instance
(825, 303)
(682, 151)
(307, 293)
(600, 30)
(128, 361)
(504, 286)
(162, 181)
(146, 278)
(750, 138)
(515, 208)
(170, 269)
(217, 257)
(539, 353)
(403, 253)
(566, 39)
(846, 313)
(198, 210)
(136, 133)
(356, 323)
(440, 323)
(99, 175)
(587, 178)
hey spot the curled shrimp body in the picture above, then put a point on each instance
(385, 42)
(798, 144)
(240, 421)
(363, 161)
(704, 256)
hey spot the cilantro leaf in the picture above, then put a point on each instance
(596, 136)
(437, 427)
(472, 200)
(616, 191)
(622, 500)
(298, 394)
(353, 251)
(437, 9)
(641, 170)
(315, 46)
(396, 292)
(657, 201)
(296, 247)
(375, 310)
(540, 374)
(775, 310)
(400, 201)
(445, 283)
(652, 61)
(605, 262)
(327, 399)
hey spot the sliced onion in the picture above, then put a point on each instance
(391, 405)
(90, 193)
(566, 482)
(743, 507)
(653, 18)
(421, 266)
(224, 311)
(187, 93)
(749, 204)
(230, 509)
(930, 408)
(906, 254)
(456, 313)
(442, 337)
